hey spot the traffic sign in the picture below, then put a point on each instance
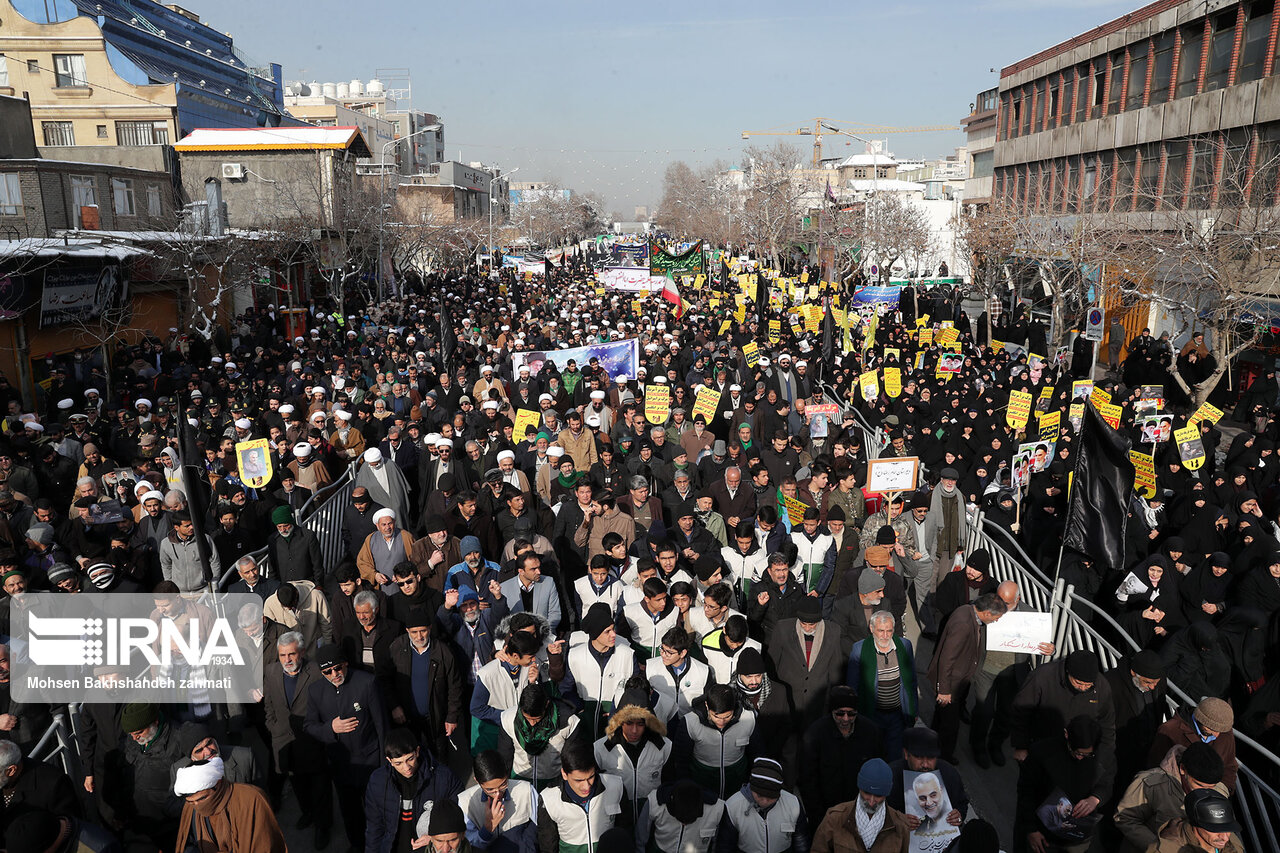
(1093, 326)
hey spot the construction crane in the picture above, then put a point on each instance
(851, 127)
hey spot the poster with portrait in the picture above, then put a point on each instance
(1039, 452)
(926, 798)
(950, 362)
(254, 458)
(1190, 447)
(1155, 428)
(1022, 467)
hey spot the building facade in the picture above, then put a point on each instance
(1173, 106)
(129, 73)
(980, 134)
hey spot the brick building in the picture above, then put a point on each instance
(1160, 109)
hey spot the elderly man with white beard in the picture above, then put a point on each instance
(385, 482)
(866, 824)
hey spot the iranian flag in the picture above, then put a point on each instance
(671, 294)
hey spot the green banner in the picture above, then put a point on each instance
(662, 262)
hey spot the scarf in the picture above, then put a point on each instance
(754, 698)
(569, 483)
(533, 738)
(869, 825)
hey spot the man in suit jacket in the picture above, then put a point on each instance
(954, 663)
(807, 657)
(345, 713)
(733, 499)
(530, 592)
(428, 700)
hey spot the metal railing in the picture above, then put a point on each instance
(1079, 624)
(322, 515)
(58, 743)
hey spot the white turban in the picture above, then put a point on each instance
(555, 451)
(34, 425)
(506, 454)
(302, 450)
(373, 454)
(244, 423)
(384, 513)
(142, 402)
(342, 414)
(198, 777)
(286, 409)
(154, 495)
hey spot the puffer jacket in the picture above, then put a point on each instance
(382, 802)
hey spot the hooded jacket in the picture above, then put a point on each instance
(641, 776)
(1152, 799)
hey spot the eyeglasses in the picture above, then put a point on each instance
(844, 715)
(333, 667)
(407, 582)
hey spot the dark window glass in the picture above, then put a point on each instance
(1175, 173)
(1148, 177)
(1082, 91)
(1257, 32)
(1235, 167)
(1221, 43)
(1117, 82)
(1266, 167)
(1204, 152)
(1162, 69)
(1137, 76)
(1126, 167)
(1189, 60)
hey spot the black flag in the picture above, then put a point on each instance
(448, 338)
(828, 338)
(1098, 510)
(195, 482)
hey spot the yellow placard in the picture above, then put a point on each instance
(1144, 473)
(926, 337)
(599, 291)
(657, 404)
(1099, 397)
(997, 346)
(948, 336)
(796, 330)
(795, 508)
(804, 277)
(1206, 412)
(1075, 412)
(869, 382)
(775, 331)
(1111, 414)
(699, 281)
(724, 327)
(1050, 425)
(751, 352)
(1019, 409)
(254, 459)
(813, 291)
(636, 306)
(643, 294)
(1190, 447)
(813, 318)
(947, 324)
(524, 419)
(707, 401)
(740, 312)
(892, 381)
(837, 314)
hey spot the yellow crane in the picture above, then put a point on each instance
(855, 128)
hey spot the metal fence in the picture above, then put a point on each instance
(322, 515)
(1079, 623)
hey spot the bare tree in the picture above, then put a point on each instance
(776, 192)
(1207, 260)
(989, 236)
(888, 231)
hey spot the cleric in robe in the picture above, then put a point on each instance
(386, 484)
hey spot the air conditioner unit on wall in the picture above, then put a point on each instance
(233, 171)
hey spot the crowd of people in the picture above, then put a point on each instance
(632, 628)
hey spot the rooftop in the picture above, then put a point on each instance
(275, 139)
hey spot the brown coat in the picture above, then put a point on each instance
(240, 818)
(838, 832)
(590, 533)
(956, 658)
(365, 562)
(1180, 732)
(1179, 837)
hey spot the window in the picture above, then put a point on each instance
(33, 67)
(1253, 50)
(1059, 183)
(1204, 150)
(1235, 167)
(1149, 177)
(1038, 121)
(84, 193)
(1016, 114)
(69, 70)
(1221, 43)
(154, 208)
(1082, 91)
(102, 131)
(1051, 107)
(982, 164)
(1117, 83)
(1189, 61)
(1099, 87)
(142, 133)
(1263, 191)
(122, 195)
(4, 71)
(1162, 70)
(1126, 169)
(1175, 174)
(10, 195)
(1090, 186)
(1137, 85)
(1028, 106)
(58, 133)
(1102, 195)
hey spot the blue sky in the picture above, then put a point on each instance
(601, 96)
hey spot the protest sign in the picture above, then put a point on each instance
(892, 381)
(1022, 634)
(1190, 447)
(1111, 414)
(1144, 473)
(1206, 412)
(708, 400)
(657, 404)
(526, 418)
(869, 384)
(893, 474)
(1019, 409)
(926, 798)
(751, 352)
(254, 458)
(1050, 425)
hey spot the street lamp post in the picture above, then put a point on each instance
(875, 167)
(491, 183)
(382, 204)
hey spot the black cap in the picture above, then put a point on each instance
(1207, 809)
(597, 620)
(329, 655)
(922, 742)
(1147, 664)
(1083, 666)
(809, 609)
(446, 817)
(750, 662)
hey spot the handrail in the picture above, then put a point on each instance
(1028, 563)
